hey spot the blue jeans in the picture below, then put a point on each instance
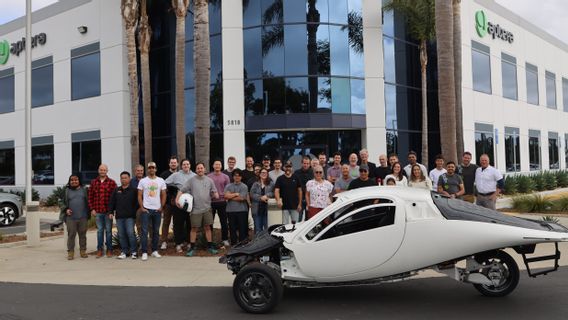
(126, 235)
(290, 216)
(153, 217)
(104, 229)
(260, 222)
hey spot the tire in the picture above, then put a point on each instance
(505, 266)
(8, 214)
(257, 288)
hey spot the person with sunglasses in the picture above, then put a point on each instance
(318, 192)
(363, 180)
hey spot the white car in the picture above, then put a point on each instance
(378, 234)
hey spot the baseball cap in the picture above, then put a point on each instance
(288, 165)
(364, 167)
(151, 164)
(266, 157)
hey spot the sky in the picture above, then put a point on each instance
(549, 15)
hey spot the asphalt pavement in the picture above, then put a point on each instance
(429, 298)
(20, 227)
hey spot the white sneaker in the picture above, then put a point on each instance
(134, 256)
(179, 249)
(226, 243)
(155, 254)
(122, 256)
(164, 246)
(144, 256)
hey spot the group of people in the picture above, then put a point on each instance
(233, 194)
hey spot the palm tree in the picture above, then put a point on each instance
(446, 84)
(180, 8)
(458, 76)
(144, 37)
(129, 10)
(421, 23)
(202, 65)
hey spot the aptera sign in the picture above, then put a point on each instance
(483, 27)
(19, 46)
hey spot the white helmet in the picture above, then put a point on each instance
(186, 199)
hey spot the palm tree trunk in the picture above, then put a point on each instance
(458, 76)
(129, 10)
(423, 65)
(446, 85)
(180, 8)
(144, 37)
(202, 63)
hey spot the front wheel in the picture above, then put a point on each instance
(257, 288)
(8, 215)
(501, 269)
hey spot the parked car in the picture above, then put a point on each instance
(10, 208)
(377, 234)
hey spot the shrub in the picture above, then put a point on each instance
(56, 195)
(532, 203)
(539, 183)
(562, 178)
(561, 204)
(550, 219)
(525, 184)
(510, 185)
(549, 180)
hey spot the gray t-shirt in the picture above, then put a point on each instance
(180, 178)
(201, 188)
(77, 202)
(341, 184)
(242, 190)
(450, 184)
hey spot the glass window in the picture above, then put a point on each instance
(534, 150)
(484, 140)
(273, 50)
(272, 12)
(550, 90)
(318, 11)
(251, 13)
(509, 74)
(86, 76)
(254, 102)
(339, 51)
(42, 86)
(7, 91)
(189, 77)
(512, 150)
(390, 107)
(216, 59)
(253, 53)
(273, 94)
(566, 150)
(338, 11)
(214, 17)
(295, 50)
(367, 219)
(481, 67)
(323, 103)
(42, 164)
(565, 93)
(357, 96)
(7, 164)
(553, 157)
(532, 84)
(340, 95)
(294, 11)
(86, 158)
(297, 95)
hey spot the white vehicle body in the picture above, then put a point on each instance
(376, 234)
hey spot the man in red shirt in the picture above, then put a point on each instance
(100, 191)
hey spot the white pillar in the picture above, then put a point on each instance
(233, 81)
(375, 134)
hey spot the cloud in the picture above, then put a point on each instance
(13, 9)
(549, 15)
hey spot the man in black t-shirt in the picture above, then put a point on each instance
(467, 171)
(288, 194)
(363, 180)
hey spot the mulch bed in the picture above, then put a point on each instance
(21, 237)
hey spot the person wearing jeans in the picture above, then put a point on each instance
(236, 194)
(218, 206)
(123, 206)
(261, 191)
(288, 194)
(151, 198)
(99, 196)
(75, 213)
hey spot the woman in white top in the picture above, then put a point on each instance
(397, 175)
(418, 180)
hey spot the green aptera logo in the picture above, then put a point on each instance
(483, 27)
(4, 51)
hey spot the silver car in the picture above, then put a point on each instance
(10, 208)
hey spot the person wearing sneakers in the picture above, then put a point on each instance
(218, 206)
(168, 208)
(180, 217)
(151, 199)
(237, 197)
(75, 213)
(123, 206)
(99, 195)
(202, 188)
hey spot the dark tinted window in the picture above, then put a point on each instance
(509, 75)
(86, 76)
(565, 93)
(553, 148)
(42, 164)
(532, 84)
(42, 86)
(86, 158)
(295, 50)
(7, 93)
(484, 141)
(534, 150)
(7, 165)
(481, 67)
(294, 10)
(512, 150)
(364, 220)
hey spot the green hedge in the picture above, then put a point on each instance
(538, 181)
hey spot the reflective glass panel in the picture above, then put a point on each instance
(251, 13)
(253, 53)
(272, 11)
(550, 90)
(324, 95)
(512, 150)
(274, 95)
(42, 164)
(294, 11)
(318, 11)
(7, 94)
(86, 157)
(509, 74)
(481, 70)
(389, 60)
(295, 50)
(534, 153)
(254, 103)
(338, 11)
(7, 167)
(86, 76)
(340, 95)
(42, 86)
(297, 95)
(357, 96)
(339, 51)
(532, 85)
(273, 50)
(565, 93)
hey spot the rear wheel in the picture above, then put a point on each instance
(257, 288)
(501, 269)
(8, 214)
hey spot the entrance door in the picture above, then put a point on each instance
(295, 153)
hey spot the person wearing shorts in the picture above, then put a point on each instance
(203, 189)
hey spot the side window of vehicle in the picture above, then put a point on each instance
(341, 212)
(367, 219)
